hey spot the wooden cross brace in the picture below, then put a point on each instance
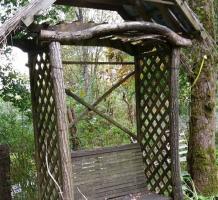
(92, 107)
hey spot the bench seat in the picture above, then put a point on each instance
(111, 173)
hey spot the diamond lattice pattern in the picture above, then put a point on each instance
(45, 128)
(154, 91)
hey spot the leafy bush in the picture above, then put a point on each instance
(16, 131)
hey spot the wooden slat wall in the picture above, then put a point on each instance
(108, 173)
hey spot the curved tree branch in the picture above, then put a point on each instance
(110, 29)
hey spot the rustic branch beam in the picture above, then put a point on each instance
(90, 107)
(109, 29)
(25, 15)
(100, 99)
(96, 63)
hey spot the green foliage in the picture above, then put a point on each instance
(16, 131)
(95, 132)
(51, 15)
(13, 86)
(184, 93)
(189, 189)
(9, 7)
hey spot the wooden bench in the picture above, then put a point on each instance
(111, 173)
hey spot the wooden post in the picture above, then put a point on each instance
(137, 98)
(5, 188)
(62, 124)
(174, 125)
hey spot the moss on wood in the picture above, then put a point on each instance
(202, 155)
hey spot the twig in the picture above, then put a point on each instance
(82, 194)
(50, 174)
(200, 70)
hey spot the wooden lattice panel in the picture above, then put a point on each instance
(46, 137)
(153, 117)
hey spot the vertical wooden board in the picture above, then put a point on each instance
(61, 117)
(137, 97)
(115, 171)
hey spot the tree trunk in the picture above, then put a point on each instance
(202, 151)
(86, 76)
(5, 187)
(73, 130)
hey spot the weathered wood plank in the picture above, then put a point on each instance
(142, 196)
(89, 161)
(118, 6)
(110, 172)
(190, 16)
(115, 172)
(25, 15)
(62, 124)
(99, 178)
(100, 186)
(118, 191)
(83, 153)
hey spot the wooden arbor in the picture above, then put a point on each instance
(156, 52)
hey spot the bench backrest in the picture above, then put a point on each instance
(108, 173)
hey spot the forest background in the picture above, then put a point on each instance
(89, 82)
